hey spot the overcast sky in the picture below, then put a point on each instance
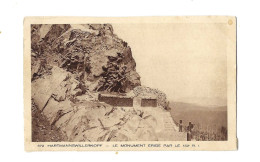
(186, 61)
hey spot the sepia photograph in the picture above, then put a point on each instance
(131, 81)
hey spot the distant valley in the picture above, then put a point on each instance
(205, 118)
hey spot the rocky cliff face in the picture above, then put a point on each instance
(70, 64)
(98, 58)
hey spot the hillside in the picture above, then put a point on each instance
(71, 65)
(202, 116)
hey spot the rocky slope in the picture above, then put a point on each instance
(70, 65)
(98, 58)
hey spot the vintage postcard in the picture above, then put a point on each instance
(130, 83)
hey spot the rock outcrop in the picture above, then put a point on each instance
(71, 64)
(101, 60)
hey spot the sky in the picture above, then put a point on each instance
(186, 61)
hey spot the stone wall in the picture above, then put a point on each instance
(148, 102)
(116, 101)
(127, 101)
